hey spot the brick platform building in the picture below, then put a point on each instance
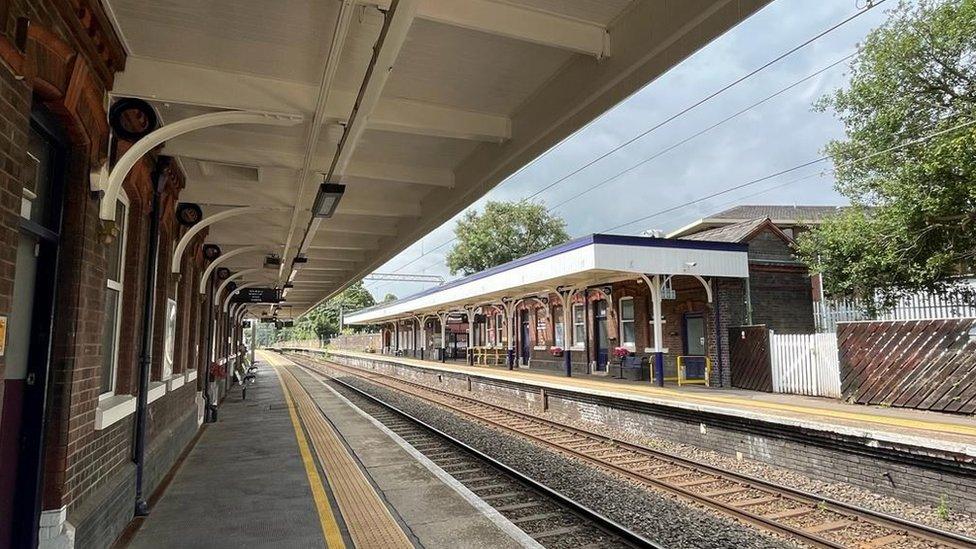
(73, 290)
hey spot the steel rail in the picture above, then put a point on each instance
(601, 521)
(917, 530)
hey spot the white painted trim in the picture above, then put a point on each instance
(113, 409)
(651, 350)
(595, 259)
(540, 348)
(113, 183)
(191, 375)
(175, 382)
(156, 390)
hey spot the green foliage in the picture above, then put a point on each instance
(389, 297)
(322, 322)
(504, 232)
(942, 511)
(911, 227)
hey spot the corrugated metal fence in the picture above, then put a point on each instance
(805, 364)
(924, 364)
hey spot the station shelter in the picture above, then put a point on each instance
(662, 306)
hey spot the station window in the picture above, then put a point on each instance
(540, 326)
(559, 330)
(499, 324)
(579, 325)
(627, 331)
(113, 299)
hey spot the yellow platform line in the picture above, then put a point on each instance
(330, 528)
(368, 520)
(671, 394)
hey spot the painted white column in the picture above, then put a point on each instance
(656, 320)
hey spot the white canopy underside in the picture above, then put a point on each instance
(464, 93)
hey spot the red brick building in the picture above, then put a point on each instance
(73, 290)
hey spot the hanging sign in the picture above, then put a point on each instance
(258, 295)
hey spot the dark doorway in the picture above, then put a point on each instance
(524, 337)
(693, 341)
(693, 345)
(600, 335)
(29, 336)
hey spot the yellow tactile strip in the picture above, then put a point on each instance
(367, 518)
(330, 528)
(806, 412)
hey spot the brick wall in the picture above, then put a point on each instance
(88, 471)
(781, 298)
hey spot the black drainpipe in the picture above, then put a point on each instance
(209, 410)
(145, 355)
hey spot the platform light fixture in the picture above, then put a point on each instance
(327, 200)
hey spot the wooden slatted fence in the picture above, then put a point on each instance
(924, 364)
(749, 357)
(805, 364)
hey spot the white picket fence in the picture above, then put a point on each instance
(805, 364)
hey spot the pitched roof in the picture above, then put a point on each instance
(784, 216)
(809, 214)
(737, 232)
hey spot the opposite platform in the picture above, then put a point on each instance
(943, 432)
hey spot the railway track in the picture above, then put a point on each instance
(546, 516)
(805, 517)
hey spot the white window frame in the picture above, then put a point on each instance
(499, 322)
(558, 321)
(118, 286)
(582, 307)
(633, 322)
(540, 335)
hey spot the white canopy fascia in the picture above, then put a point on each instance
(590, 259)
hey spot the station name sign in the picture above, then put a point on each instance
(258, 295)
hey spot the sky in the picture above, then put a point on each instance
(781, 133)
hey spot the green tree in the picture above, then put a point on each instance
(912, 224)
(389, 297)
(322, 321)
(504, 232)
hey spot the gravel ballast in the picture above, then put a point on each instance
(923, 514)
(660, 517)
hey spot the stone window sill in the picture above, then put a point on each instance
(651, 350)
(191, 375)
(175, 382)
(113, 409)
(156, 390)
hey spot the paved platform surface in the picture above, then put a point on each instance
(242, 485)
(296, 465)
(914, 427)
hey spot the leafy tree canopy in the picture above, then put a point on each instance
(389, 297)
(504, 232)
(912, 224)
(322, 321)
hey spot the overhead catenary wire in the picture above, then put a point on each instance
(703, 131)
(679, 114)
(784, 172)
(795, 168)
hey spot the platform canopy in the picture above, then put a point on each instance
(418, 106)
(589, 261)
